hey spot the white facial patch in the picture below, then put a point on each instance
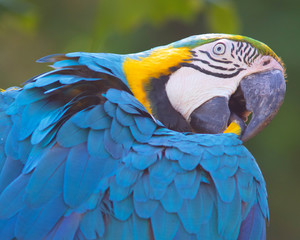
(216, 69)
(187, 89)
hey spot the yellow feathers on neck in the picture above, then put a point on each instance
(158, 63)
(233, 127)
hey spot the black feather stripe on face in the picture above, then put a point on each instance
(162, 109)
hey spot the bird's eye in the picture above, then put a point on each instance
(219, 49)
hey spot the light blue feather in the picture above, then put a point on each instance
(164, 224)
(92, 224)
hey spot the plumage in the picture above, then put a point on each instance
(86, 152)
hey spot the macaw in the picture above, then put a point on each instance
(140, 146)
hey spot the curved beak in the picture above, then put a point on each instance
(260, 93)
(263, 93)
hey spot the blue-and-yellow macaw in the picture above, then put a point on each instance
(140, 146)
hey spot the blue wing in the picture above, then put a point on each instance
(82, 159)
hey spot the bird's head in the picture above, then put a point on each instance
(203, 83)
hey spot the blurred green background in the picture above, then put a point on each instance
(30, 29)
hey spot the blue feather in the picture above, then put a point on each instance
(110, 108)
(12, 143)
(52, 117)
(117, 229)
(80, 118)
(226, 188)
(130, 109)
(115, 130)
(7, 228)
(47, 78)
(145, 209)
(95, 144)
(145, 125)
(174, 154)
(97, 118)
(162, 171)
(116, 150)
(142, 162)
(262, 200)
(209, 162)
(197, 211)
(92, 224)
(164, 225)
(146, 150)
(229, 216)
(36, 223)
(124, 118)
(87, 205)
(46, 180)
(186, 179)
(70, 135)
(44, 136)
(122, 209)
(254, 226)
(126, 176)
(82, 175)
(10, 171)
(76, 167)
(189, 192)
(67, 227)
(11, 199)
(139, 136)
(117, 192)
(139, 193)
(177, 168)
(171, 201)
(65, 63)
(183, 234)
(189, 162)
(157, 188)
(29, 96)
(140, 228)
(24, 150)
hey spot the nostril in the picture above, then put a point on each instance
(266, 62)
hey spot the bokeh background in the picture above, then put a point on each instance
(30, 29)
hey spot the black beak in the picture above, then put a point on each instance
(260, 93)
(264, 93)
